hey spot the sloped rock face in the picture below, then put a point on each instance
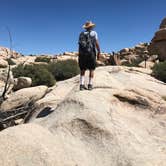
(158, 43)
(122, 121)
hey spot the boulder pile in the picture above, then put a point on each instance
(134, 55)
(6, 53)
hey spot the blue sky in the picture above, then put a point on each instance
(53, 26)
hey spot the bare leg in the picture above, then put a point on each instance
(91, 73)
(82, 72)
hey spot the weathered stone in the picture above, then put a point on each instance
(160, 35)
(4, 74)
(163, 23)
(71, 53)
(22, 82)
(3, 63)
(153, 58)
(114, 60)
(158, 43)
(117, 123)
(6, 53)
(149, 64)
(22, 96)
(100, 63)
(125, 51)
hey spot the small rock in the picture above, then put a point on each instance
(3, 63)
(149, 64)
(22, 96)
(22, 82)
(18, 121)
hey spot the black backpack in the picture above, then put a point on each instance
(86, 44)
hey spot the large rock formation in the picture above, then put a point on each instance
(6, 53)
(158, 43)
(121, 122)
(134, 55)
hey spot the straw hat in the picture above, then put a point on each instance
(88, 24)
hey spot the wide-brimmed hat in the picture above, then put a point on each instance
(88, 24)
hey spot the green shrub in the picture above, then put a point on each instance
(159, 71)
(43, 59)
(10, 61)
(134, 63)
(38, 73)
(62, 70)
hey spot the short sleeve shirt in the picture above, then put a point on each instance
(93, 34)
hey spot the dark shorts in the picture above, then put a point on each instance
(87, 62)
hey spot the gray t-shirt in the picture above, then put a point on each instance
(92, 34)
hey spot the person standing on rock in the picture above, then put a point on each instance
(88, 49)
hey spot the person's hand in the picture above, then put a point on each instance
(98, 56)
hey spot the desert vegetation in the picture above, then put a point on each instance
(62, 70)
(43, 59)
(159, 71)
(47, 74)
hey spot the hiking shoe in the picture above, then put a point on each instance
(90, 87)
(82, 87)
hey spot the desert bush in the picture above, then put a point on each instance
(62, 70)
(38, 73)
(159, 71)
(43, 59)
(10, 61)
(134, 63)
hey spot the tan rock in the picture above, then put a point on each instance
(114, 60)
(70, 53)
(102, 57)
(140, 49)
(65, 57)
(120, 122)
(22, 82)
(6, 53)
(149, 64)
(25, 60)
(153, 58)
(160, 35)
(163, 23)
(4, 74)
(124, 51)
(22, 96)
(158, 43)
(100, 63)
(3, 63)
(2, 85)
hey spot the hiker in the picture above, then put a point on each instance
(88, 49)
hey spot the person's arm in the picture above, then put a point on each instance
(98, 49)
